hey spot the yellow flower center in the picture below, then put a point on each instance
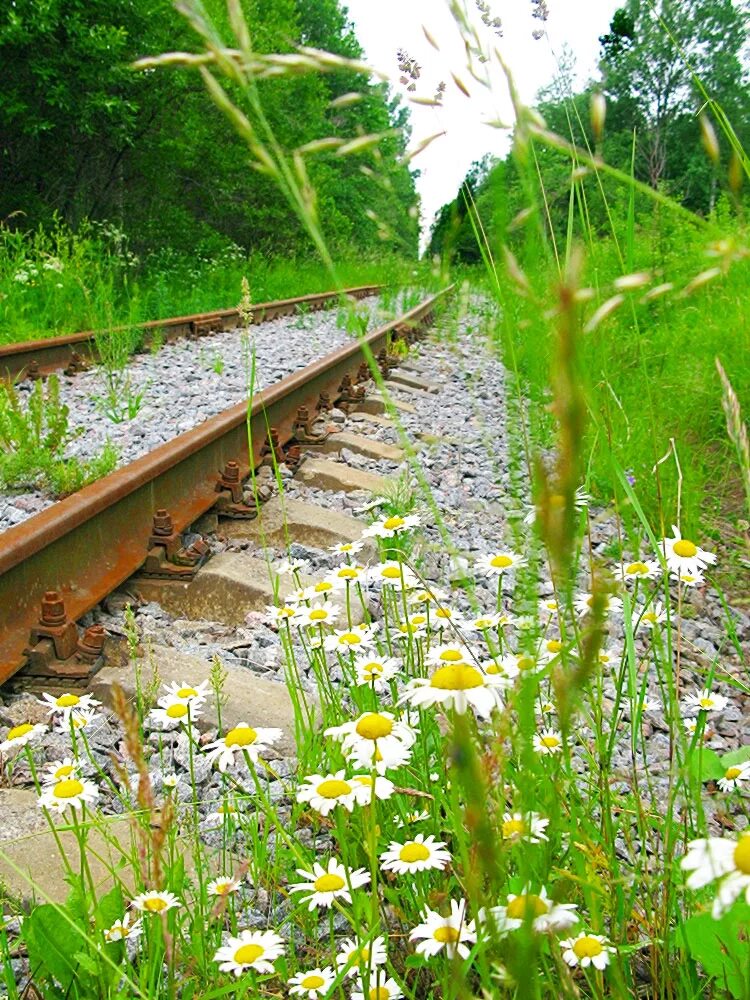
(350, 638)
(346, 547)
(742, 854)
(64, 771)
(68, 788)
(379, 993)
(418, 620)
(443, 613)
(554, 646)
(374, 726)
(223, 888)
(67, 700)
(446, 935)
(18, 731)
(329, 883)
(391, 572)
(732, 772)
(483, 623)
(650, 616)
(241, 736)
(246, 954)
(523, 906)
(187, 693)
(413, 852)
(391, 523)
(706, 703)
(636, 569)
(501, 562)
(587, 947)
(312, 982)
(450, 656)
(456, 677)
(323, 587)
(549, 741)
(364, 954)
(348, 572)
(492, 668)
(334, 789)
(525, 663)
(684, 548)
(365, 780)
(513, 828)
(318, 615)
(177, 711)
(372, 669)
(155, 905)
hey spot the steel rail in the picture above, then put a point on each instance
(54, 353)
(88, 544)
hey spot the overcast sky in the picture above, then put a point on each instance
(383, 26)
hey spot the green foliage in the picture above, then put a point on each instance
(722, 948)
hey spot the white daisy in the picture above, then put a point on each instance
(69, 793)
(647, 569)
(123, 930)
(734, 775)
(156, 902)
(278, 616)
(500, 562)
(393, 574)
(453, 933)
(706, 701)
(587, 949)
(326, 884)
(694, 579)
(19, 736)
(488, 622)
(389, 527)
(250, 950)
(79, 718)
(243, 739)
(325, 792)
(56, 770)
(64, 704)
(418, 855)
(322, 589)
(581, 500)
(347, 548)
(288, 567)
(684, 556)
(413, 628)
(380, 988)
(376, 671)
(459, 686)
(374, 733)
(543, 914)
(521, 663)
(424, 595)
(721, 858)
(552, 649)
(650, 617)
(225, 812)
(548, 741)
(415, 816)
(358, 957)
(348, 574)
(385, 757)
(315, 615)
(367, 788)
(225, 885)
(504, 668)
(174, 712)
(584, 603)
(451, 653)
(189, 693)
(350, 640)
(519, 826)
(313, 984)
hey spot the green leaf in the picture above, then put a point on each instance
(736, 757)
(87, 962)
(109, 908)
(705, 764)
(722, 948)
(47, 934)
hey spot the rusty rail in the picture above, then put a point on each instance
(88, 544)
(50, 354)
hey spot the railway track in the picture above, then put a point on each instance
(62, 562)
(34, 358)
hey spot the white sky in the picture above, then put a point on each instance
(383, 26)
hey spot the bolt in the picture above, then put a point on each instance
(91, 643)
(324, 401)
(363, 373)
(303, 415)
(162, 523)
(231, 473)
(32, 371)
(53, 609)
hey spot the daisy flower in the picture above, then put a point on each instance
(225, 811)
(384, 758)
(349, 640)
(123, 930)
(344, 576)
(225, 885)
(347, 548)
(649, 705)
(19, 736)
(433, 595)
(68, 793)
(529, 827)
(500, 562)
(416, 816)
(587, 949)
(325, 885)
(156, 902)
(452, 933)
(609, 658)
(413, 628)
(56, 770)
(487, 622)
(188, 693)
(243, 739)
(548, 741)
(551, 649)
(519, 663)
(544, 914)
(452, 653)
(389, 527)
(581, 500)
(65, 703)
(313, 984)
(173, 712)
(648, 569)
(734, 775)
(505, 669)
(419, 855)
(549, 607)
(394, 574)
(79, 718)
(706, 701)
(374, 732)
(376, 672)
(278, 615)
(170, 780)
(458, 686)
(720, 858)
(684, 556)
(323, 588)
(367, 788)
(584, 603)
(250, 950)
(317, 614)
(688, 579)
(650, 617)
(290, 566)
(325, 792)
(358, 956)
(383, 989)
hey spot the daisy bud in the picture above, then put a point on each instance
(598, 113)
